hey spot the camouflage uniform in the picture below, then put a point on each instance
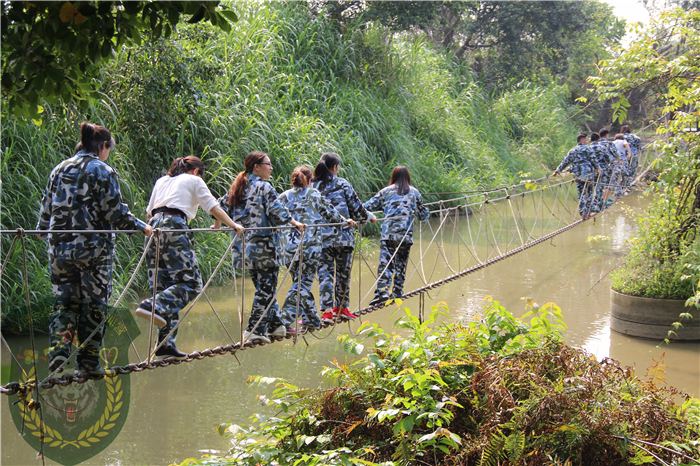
(397, 235)
(308, 206)
(583, 163)
(338, 243)
(607, 158)
(636, 148)
(179, 280)
(260, 208)
(615, 168)
(82, 194)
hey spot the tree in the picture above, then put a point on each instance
(504, 42)
(53, 50)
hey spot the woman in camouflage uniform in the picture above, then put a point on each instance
(400, 202)
(338, 242)
(83, 194)
(252, 201)
(308, 206)
(175, 199)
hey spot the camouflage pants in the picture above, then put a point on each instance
(178, 281)
(585, 191)
(616, 180)
(265, 281)
(307, 303)
(395, 268)
(603, 183)
(334, 277)
(82, 289)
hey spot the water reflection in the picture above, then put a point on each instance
(174, 410)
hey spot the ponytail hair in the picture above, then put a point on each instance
(401, 177)
(235, 192)
(301, 177)
(93, 137)
(322, 172)
(184, 164)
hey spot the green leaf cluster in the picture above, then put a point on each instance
(492, 391)
(54, 51)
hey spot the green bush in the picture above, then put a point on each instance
(656, 265)
(497, 390)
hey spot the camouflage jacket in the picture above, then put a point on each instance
(396, 205)
(83, 194)
(343, 197)
(583, 161)
(635, 143)
(614, 155)
(260, 208)
(604, 153)
(308, 206)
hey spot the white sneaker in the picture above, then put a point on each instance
(280, 331)
(250, 336)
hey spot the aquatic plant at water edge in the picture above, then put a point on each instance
(496, 390)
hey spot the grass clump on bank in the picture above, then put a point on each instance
(658, 263)
(493, 391)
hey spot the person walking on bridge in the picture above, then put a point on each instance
(308, 206)
(584, 165)
(174, 202)
(82, 194)
(400, 202)
(606, 155)
(635, 143)
(614, 171)
(252, 201)
(338, 242)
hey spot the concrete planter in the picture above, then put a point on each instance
(652, 318)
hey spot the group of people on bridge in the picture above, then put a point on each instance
(602, 169)
(309, 228)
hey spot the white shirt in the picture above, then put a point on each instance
(620, 146)
(185, 192)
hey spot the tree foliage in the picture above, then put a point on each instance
(504, 42)
(54, 50)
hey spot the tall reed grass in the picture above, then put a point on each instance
(293, 85)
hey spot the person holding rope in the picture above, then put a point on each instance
(607, 157)
(635, 143)
(307, 205)
(614, 171)
(338, 242)
(252, 201)
(83, 194)
(400, 202)
(625, 151)
(584, 165)
(174, 202)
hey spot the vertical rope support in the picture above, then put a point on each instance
(301, 263)
(156, 232)
(20, 234)
(359, 268)
(242, 282)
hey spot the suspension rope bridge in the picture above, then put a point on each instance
(497, 228)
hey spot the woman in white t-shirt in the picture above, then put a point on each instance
(175, 200)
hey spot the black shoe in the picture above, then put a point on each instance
(378, 301)
(97, 371)
(145, 310)
(170, 352)
(56, 363)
